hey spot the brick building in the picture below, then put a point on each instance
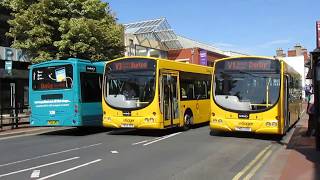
(297, 50)
(196, 52)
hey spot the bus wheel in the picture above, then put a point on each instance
(214, 132)
(187, 121)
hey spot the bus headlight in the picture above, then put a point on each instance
(217, 121)
(272, 124)
(149, 120)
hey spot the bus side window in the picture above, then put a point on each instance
(190, 91)
(90, 89)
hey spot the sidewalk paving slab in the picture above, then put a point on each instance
(297, 160)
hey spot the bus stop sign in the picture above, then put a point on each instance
(8, 67)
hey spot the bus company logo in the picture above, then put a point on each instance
(91, 69)
(128, 120)
(243, 116)
(245, 123)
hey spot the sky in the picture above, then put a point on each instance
(255, 27)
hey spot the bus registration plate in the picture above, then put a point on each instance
(53, 122)
(246, 129)
(127, 125)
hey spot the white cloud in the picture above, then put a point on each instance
(274, 42)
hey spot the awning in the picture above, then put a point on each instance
(158, 29)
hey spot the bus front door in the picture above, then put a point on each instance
(170, 98)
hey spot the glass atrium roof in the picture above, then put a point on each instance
(158, 29)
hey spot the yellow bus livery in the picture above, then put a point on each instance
(254, 94)
(153, 93)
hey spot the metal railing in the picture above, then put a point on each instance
(14, 117)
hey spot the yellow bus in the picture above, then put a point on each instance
(153, 93)
(254, 94)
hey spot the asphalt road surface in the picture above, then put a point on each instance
(135, 155)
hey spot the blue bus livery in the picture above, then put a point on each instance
(66, 93)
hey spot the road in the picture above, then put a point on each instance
(135, 155)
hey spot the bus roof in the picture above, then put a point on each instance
(249, 57)
(69, 60)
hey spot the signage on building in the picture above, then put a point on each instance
(11, 54)
(318, 34)
(8, 67)
(203, 57)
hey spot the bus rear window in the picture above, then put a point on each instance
(52, 77)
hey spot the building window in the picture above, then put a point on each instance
(141, 51)
(131, 48)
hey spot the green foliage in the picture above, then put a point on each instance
(59, 29)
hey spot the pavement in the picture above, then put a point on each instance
(297, 159)
(26, 130)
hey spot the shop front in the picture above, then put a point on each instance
(13, 83)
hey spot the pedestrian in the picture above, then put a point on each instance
(311, 113)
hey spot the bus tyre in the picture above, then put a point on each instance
(187, 122)
(214, 132)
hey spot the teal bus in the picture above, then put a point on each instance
(66, 93)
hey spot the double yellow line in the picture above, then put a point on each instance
(258, 162)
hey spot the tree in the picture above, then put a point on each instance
(48, 29)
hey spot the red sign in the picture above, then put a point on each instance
(47, 86)
(120, 66)
(247, 65)
(318, 34)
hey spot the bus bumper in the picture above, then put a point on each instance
(254, 126)
(131, 122)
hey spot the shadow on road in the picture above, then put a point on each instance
(269, 137)
(151, 132)
(77, 131)
(143, 132)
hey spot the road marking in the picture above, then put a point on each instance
(37, 167)
(144, 141)
(25, 133)
(139, 142)
(254, 170)
(71, 169)
(114, 152)
(35, 174)
(246, 168)
(55, 153)
(162, 138)
(22, 135)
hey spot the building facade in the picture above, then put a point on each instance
(155, 38)
(13, 72)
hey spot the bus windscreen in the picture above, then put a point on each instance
(130, 83)
(247, 84)
(52, 77)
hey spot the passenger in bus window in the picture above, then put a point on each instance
(128, 91)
